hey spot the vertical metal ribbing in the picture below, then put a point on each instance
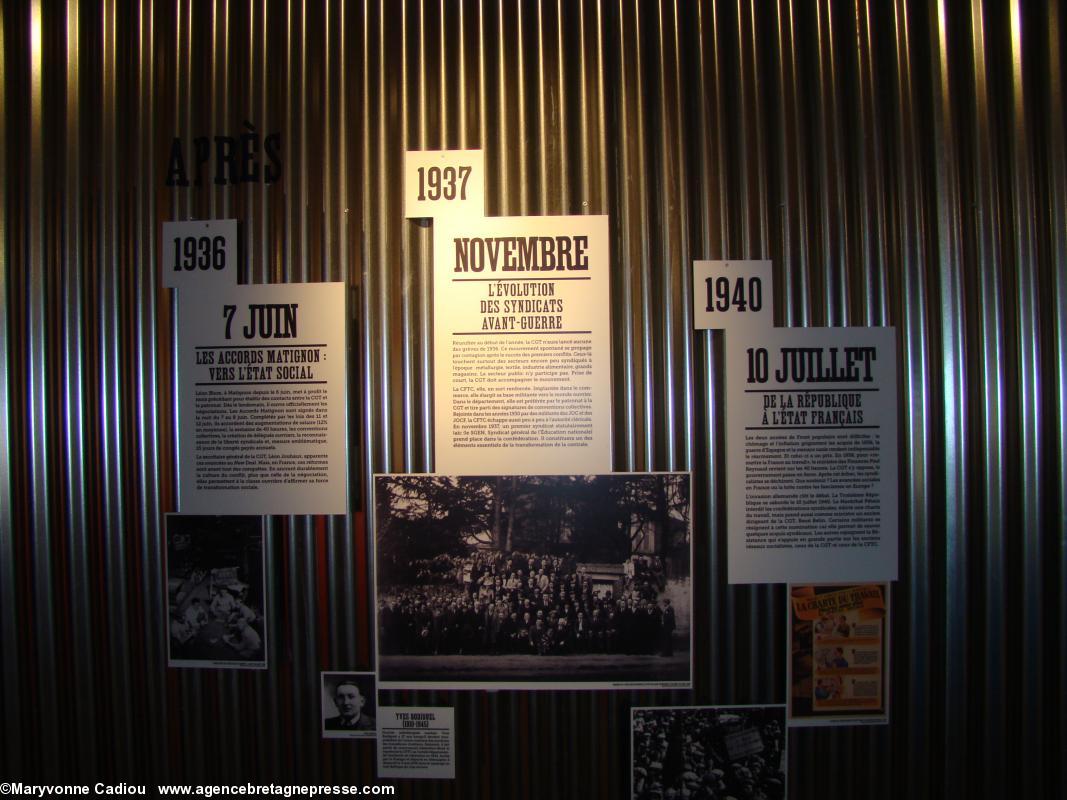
(823, 301)
(493, 90)
(36, 344)
(519, 193)
(598, 27)
(762, 605)
(987, 391)
(193, 758)
(377, 312)
(841, 204)
(272, 693)
(154, 474)
(415, 269)
(1054, 363)
(299, 700)
(414, 238)
(755, 241)
(367, 386)
(567, 65)
(355, 551)
(76, 462)
(910, 631)
(641, 271)
(9, 617)
(546, 194)
(330, 639)
(631, 364)
(113, 392)
(419, 265)
(708, 479)
(949, 635)
(261, 254)
(877, 252)
(795, 285)
(684, 437)
(305, 634)
(668, 229)
(1025, 384)
(298, 269)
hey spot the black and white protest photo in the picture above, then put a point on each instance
(708, 752)
(349, 705)
(572, 581)
(215, 593)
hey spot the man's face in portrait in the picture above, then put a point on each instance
(348, 700)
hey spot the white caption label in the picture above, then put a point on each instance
(733, 295)
(444, 182)
(199, 253)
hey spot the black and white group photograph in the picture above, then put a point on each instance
(215, 592)
(708, 752)
(349, 705)
(534, 582)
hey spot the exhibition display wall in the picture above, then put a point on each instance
(899, 164)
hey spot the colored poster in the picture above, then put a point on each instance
(839, 652)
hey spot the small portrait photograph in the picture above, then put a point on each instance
(827, 658)
(824, 627)
(713, 752)
(349, 705)
(828, 688)
(215, 597)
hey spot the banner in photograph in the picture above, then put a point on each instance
(416, 742)
(812, 455)
(262, 398)
(533, 581)
(522, 358)
(708, 751)
(215, 592)
(839, 644)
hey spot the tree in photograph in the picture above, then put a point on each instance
(420, 517)
(658, 509)
(599, 518)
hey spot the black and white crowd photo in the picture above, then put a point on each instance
(215, 591)
(708, 753)
(534, 581)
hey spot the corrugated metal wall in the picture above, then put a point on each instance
(902, 163)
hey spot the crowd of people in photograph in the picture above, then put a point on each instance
(683, 754)
(494, 603)
(222, 614)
